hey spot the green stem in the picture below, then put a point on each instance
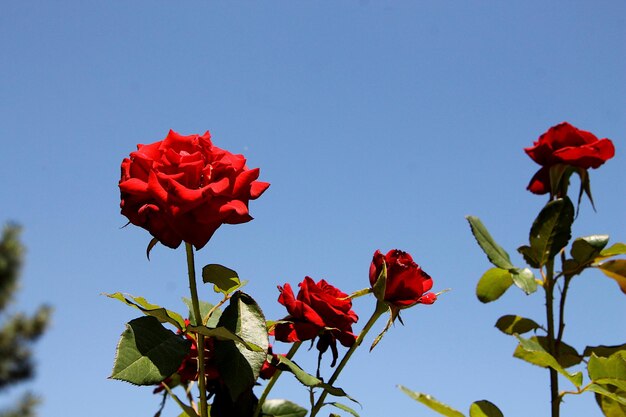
(380, 309)
(191, 268)
(555, 400)
(273, 380)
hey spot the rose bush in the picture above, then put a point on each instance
(184, 188)
(566, 144)
(407, 284)
(319, 310)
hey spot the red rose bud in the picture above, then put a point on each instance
(407, 284)
(183, 189)
(319, 310)
(565, 144)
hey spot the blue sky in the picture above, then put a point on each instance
(380, 125)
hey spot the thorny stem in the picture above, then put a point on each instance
(380, 309)
(559, 337)
(555, 399)
(199, 338)
(273, 380)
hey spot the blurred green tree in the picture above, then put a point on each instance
(18, 331)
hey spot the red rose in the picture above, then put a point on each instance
(269, 367)
(183, 188)
(319, 310)
(407, 284)
(565, 144)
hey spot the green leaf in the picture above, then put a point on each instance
(225, 280)
(611, 400)
(493, 284)
(611, 370)
(586, 249)
(147, 352)
(238, 365)
(205, 309)
(485, 408)
(615, 269)
(604, 391)
(222, 333)
(282, 408)
(567, 355)
(551, 230)
(531, 351)
(432, 403)
(608, 376)
(530, 256)
(511, 324)
(524, 279)
(614, 250)
(343, 408)
(140, 303)
(308, 380)
(603, 351)
(496, 254)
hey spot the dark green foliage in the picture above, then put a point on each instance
(18, 331)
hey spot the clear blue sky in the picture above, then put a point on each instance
(380, 125)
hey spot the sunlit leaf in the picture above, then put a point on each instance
(282, 408)
(344, 407)
(524, 279)
(493, 284)
(531, 351)
(496, 254)
(611, 370)
(224, 279)
(485, 408)
(611, 400)
(613, 250)
(140, 303)
(511, 324)
(615, 269)
(432, 403)
(238, 365)
(147, 352)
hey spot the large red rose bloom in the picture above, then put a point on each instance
(319, 310)
(566, 144)
(183, 189)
